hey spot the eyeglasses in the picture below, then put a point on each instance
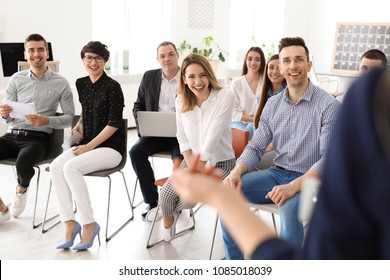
(89, 59)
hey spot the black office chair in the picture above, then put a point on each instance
(54, 149)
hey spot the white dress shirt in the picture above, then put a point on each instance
(166, 102)
(245, 100)
(206, 129)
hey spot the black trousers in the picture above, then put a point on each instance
(28, 151)
(139, 155)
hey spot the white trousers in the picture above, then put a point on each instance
(67, 172)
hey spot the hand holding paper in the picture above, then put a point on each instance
(73, 139)
(20, 110)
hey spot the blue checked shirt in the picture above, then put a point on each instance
(300, 133)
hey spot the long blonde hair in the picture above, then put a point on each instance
(188, 97)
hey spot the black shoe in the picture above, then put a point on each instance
(148, 208)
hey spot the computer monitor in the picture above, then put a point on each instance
(11, 53)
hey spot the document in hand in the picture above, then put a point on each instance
(73, 139)
(20, 110)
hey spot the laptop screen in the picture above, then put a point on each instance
(11, 53)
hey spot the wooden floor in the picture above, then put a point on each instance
(19, 241)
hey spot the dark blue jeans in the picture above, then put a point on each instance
(255, 186)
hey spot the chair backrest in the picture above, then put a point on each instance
(267, 160)
(75, 120)
(156, 124)
(308, 198)
(240, 139)
(54, 144)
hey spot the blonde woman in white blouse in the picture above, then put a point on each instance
(203, 116)
(247, 90)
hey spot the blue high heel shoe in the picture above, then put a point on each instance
(84, 246)
(69, 243)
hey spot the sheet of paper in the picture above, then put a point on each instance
(71, 140)
(20, 110)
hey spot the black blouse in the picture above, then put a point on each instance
(102, 104)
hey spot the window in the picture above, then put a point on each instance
(139, 26)
(136, 26)
(253, 23)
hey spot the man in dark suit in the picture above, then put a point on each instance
(157, 92)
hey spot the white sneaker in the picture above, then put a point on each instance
(169, 233)
(19, 204)
(152, 213)
(5, 216)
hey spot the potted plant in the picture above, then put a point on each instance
(211, 50)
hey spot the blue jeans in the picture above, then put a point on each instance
(255, 186)
(244, 126)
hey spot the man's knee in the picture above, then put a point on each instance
(290, 206)
(137, 152)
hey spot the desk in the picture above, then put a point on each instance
(341, 75)
(345, 79)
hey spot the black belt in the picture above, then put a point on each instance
(24, 132)
(282, 168)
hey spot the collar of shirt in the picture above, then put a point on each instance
(45, 75)
(307, 95)
(279, 90)
(176, 78)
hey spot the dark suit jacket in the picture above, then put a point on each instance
(148, 93)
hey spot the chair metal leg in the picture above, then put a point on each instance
(197, 209)
(148, 244)
(108, 238)
(212, 242)
(191, 227)
(135, 205)
(36, 199)
(274, 222)
(51, 218)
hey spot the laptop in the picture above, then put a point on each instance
(156, 124)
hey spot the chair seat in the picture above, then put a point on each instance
(269, 207)
(104, 173)
(160, 182)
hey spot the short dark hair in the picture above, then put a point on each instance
(293, 41)
(35, 37)
(96, 47)
(376, 55)
(167, 43)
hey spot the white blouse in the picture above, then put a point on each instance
(245, 100)
(206, 129)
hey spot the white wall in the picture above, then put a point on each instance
(322, 18)
(66, 24)
(220, 29)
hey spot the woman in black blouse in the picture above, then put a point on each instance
(99, 147)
